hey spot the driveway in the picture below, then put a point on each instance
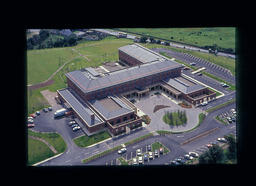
(147, 106)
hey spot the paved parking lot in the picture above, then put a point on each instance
(210, 67)
(46, 122)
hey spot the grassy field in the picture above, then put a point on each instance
(225, 62)
(85, 141)
(42, 63)
(221, 36)
(52, 138)
(176, 119)
(37, 151)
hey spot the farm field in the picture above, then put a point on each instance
(40, 69)
(222, 36)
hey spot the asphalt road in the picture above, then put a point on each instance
(174, 141)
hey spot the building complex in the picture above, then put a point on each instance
(101, 100)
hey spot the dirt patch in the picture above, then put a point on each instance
(158, 107)
(50, 97)
(39, 85)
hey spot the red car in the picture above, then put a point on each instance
(32, 115)
(31, 125)
(161, 150)
(209, 145)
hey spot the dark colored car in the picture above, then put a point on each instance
(149, 147)
(145, 157)
(45, 110)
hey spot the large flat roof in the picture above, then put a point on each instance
(183, 85)
(142, 54)
(88, 84)
(110, 107)
(81, 109)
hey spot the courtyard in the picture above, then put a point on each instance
(147, 104)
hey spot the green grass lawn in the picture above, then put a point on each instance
(85, 141)
(221, 36)
(37, 151)
(157, 145)
(52, 138)
(221, 120)
(42, 63)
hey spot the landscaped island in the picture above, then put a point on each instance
(175, 118)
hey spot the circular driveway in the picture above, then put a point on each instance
(147, 105)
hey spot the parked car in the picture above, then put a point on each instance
(149, 147)
(74, 125)
(30, 118)
(50, 108)
(161, 150)
(233, 118)
(76, 128)
(30, 121)
(150, 155)
(145, 157)
(121, 151)
(194, 154)
(229, 119)
(222, 140)
(123, 146)
(209, 145)
(156, 153)
(31, 125)
(32, 115)
(173, 162)
(138, 152)
(37, 113)
(200, 74)
(204, 103)
(140, 160)
(178, 160)
(193, 64)
(134, 161)
(182, 161)
(71, 123)
(45, 110)
(187, 156)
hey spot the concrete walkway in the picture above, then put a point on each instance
(147, 106)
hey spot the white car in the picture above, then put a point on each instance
(76, 128)
(134, 161)
(121, 151)
(204, 103)
(140, 160)
(30, 118)
(150, 155)
(193, 154)
(71, 123)
(138, 152)
(222, 140)
(123, 146)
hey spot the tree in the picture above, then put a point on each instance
(152, 40)
(43, 35)
(143, 39)
(214, 155)
(232, 146)
(158, 41)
